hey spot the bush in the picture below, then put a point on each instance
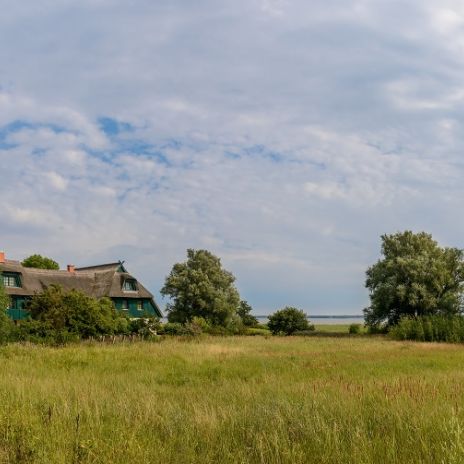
(377, 329)
(430, 329)
(287, 321)
(144, 326)
(58, 314)
(172, 328)
(355, 329)
(6, 324)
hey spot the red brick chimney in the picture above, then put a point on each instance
(71, 268)
(2, 257)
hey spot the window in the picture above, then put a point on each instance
(10, 280)
(140, 305)
(125, 305)
(129, 286)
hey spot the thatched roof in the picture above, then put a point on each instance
(95, 281)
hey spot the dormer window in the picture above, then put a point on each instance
(11, 280)
(129, 285)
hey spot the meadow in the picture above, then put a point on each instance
(233, 400)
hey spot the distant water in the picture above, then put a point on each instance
(348, 319)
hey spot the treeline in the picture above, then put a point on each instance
(416, 292)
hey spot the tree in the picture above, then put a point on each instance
(41, 262)
(74, 312)
(288, 320)
(244, 311)
(415, 277)
(200, 287)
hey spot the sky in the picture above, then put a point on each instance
(285, 136)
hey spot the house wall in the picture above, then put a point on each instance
(132, 310)
(17, 311)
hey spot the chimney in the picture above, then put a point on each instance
(2, 257)
(71, 268)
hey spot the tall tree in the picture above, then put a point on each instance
(200, 287)
(41, 262)
(415, 277)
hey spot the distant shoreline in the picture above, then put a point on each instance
(331, 316)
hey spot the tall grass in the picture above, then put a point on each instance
(233, 400)
(430, 329)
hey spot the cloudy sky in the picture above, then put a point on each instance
(283, 135)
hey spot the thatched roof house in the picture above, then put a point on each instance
(105, 280)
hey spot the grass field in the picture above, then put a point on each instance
(337, 328)
(234, 400)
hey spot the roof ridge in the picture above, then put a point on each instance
(97, 266)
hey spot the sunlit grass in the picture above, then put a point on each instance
(337, 328)
(237, 400)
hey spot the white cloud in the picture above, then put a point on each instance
(56, 181)
(283, 135)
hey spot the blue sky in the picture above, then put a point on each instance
(283, 135)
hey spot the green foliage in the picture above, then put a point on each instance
(257, 331)
(172, 328)
(145, 326)
(244, 311)
(6, 324)
(55, 311)
(415, 277)
(200, 287)
(40, 262)
(430, 329)
(354, 329)
(287, 321)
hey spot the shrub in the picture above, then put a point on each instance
(355, 329)
(172, 328)
(6, 324)
(56, 313)
(144, 326)
(430, 329)
(287, 321)
(377, 329)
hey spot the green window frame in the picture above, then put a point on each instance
(129, 285)
(139, 305)
(11, 280)
(125, 305)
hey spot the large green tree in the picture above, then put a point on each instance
(414, 277)
(200, 287)
(41, 262)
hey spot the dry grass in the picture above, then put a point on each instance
(233, 400)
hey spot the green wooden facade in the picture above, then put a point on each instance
(16, 310)
(132, 307)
